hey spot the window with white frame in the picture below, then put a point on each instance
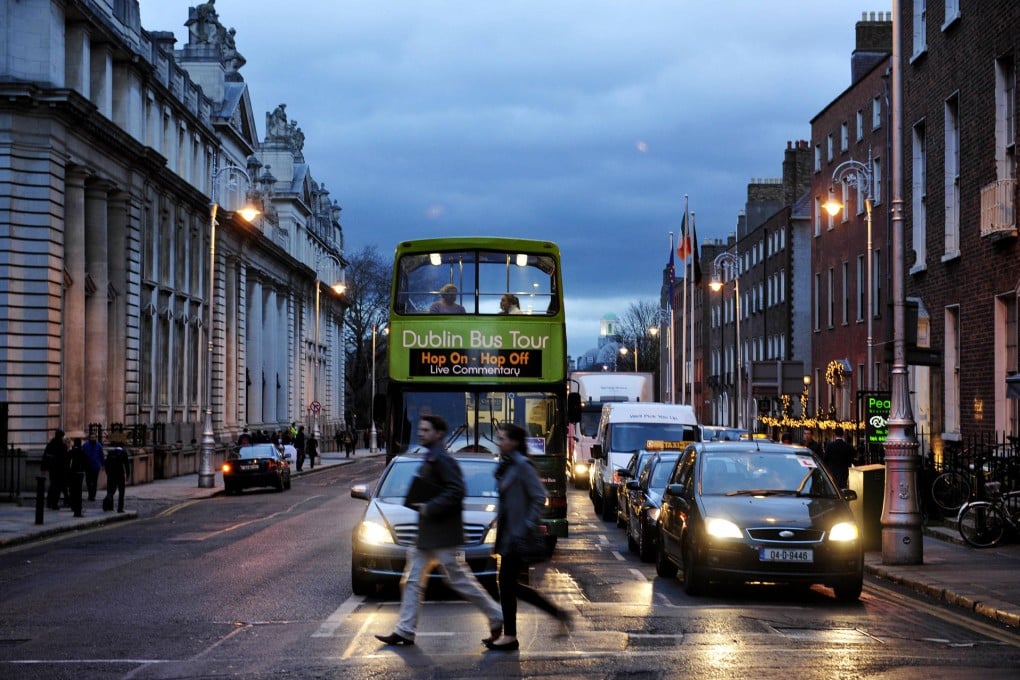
(845, 298)
(876, 283)
(818, 301)
(844, 136)
(952, 369)
(920, 27)
(862, 277)
(860, 125)
(818, 215)
(876, 113)
(952, 12)
(952, 178)
(829, 145)
(919, 205)
(1005, 118)
(876, 181)
(831, 316)
(818, 157)
(1005, 324)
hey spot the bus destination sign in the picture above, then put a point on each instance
(476, 363)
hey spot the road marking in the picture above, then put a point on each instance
(337, 618)
(618, 556)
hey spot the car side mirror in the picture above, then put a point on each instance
(623, 473)
(633, 485)
(674, 489)
(361, 491)
(596, 452)
(849, 495)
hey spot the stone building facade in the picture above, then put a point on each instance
(114, 145)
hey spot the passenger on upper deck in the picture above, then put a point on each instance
(509, 304)
(447, 304)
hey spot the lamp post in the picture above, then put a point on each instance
(206, 475)
(731, 262)
(339, 287)
(861, 176)
(901, 511)
(373, 441)
(624, 350)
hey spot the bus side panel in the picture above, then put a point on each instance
(552, 471)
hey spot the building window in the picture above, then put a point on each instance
(862, 277)
(876, 113)
(952, 369)
(818, 157)
(919, 185)
(844, 136)
(818, 302)
(952, 12)
(876, 283)
(846, 293)
(1005, 118)
(818, 215)
(831, 316)
(830, 148)
(876, 181)
(920, 27)
(860, 125)
(952, 178)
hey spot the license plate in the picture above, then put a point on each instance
(250, 466)
(785, 555)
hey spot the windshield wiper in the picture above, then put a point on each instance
(762, 492)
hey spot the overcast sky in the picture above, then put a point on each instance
(585, 122)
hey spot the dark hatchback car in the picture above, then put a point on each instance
(627, 474)
(752, 511)
(644, 495)
(387, 528)
(256, 465)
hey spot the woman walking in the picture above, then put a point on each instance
(521, 499)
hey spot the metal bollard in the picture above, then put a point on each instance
(40, 497)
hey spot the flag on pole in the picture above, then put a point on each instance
(684, 248)
(694, 251)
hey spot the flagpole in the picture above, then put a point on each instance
(671, 338)
(683, 328)
(693, 246)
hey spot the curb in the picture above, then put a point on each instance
(57, 530)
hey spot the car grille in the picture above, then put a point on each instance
(407, 534)
(773, 535)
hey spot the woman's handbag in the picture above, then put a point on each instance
(530, 547)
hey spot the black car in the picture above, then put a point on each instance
(644, 496)
(751, 511)
(387, 528)
(627, 474)
(256, 465)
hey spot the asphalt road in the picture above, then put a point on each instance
(257, 586)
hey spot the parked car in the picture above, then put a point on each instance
(644, 495)
(627, 474)
(256, 465)
(387, 528)
(758, 511)
(718, 433)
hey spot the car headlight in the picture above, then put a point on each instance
(374, 533)
(653, 515)
(581, 468)
(490, 535)
(722, 528)
(844, 531)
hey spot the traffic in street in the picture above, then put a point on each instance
(258, 585)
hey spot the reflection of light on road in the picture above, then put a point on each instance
(723, 656)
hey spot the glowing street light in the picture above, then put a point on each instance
(729, 262)
(338, 288)
(624, 351)
(206, 476)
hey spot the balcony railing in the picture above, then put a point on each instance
(998, 209)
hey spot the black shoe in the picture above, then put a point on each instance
(506, 646)
(494, 634)
(394, 639)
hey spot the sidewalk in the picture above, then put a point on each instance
(985, 581)
(17, 522)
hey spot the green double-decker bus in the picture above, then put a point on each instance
(477, 335)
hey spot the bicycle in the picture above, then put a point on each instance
(982, 524)
(954, 487)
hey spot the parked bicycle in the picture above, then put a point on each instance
(983, 523)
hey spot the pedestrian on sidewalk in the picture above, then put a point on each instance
(299, 444)
(839, 456)
(440, 534)
(338, 437)
(521, 500)
(94, 452)
(348, 443)
(56, 464)
(78, 465)
(312, 450)
(118, 470)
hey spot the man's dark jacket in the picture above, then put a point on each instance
(440, 521)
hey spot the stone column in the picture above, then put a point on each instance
(73, 384)
(254, 345)
(96, 302)
(272, 325)
(117, 260)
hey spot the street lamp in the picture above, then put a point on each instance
(861, 176)
(730, 262)
(901, 511)
(339, 287)
(373, 441)
(624, 350)
(206, 476)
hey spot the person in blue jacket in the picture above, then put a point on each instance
(95, 459)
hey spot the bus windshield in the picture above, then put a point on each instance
(474, 417)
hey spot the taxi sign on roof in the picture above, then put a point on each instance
(663, 445)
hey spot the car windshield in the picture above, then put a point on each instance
(257, 451)
(661, 471)
(764, 474)
(633, 436)
(479, 477)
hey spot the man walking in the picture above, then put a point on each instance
(440, 533)
(839, 456)
(94, 463)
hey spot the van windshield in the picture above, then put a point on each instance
(629, 437)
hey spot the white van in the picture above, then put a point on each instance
(625, 428)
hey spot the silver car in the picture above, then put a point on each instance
(387, 528)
